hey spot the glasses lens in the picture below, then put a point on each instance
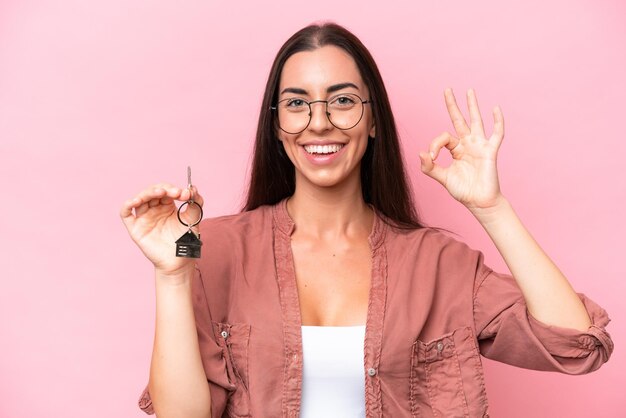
(345, 110)
(293, 115)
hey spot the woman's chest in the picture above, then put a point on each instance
(399, 365)
(333, 282)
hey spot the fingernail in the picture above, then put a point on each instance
(432, 156)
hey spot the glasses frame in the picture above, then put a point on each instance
(363, 102)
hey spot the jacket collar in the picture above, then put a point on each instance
(286, 225)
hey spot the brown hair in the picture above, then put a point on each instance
(383, 178)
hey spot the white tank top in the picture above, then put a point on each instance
(333, 381)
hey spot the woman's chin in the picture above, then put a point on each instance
(328, 181)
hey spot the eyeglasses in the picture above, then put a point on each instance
(344, 111)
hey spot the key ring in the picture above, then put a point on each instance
(199, 218)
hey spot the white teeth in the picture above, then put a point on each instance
(322, 149)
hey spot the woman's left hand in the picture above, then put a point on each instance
(472, 177)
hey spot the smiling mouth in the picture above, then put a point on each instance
(323, 149)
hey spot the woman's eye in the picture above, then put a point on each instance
(343, 101)
(295, 103)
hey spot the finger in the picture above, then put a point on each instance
(498, 127)
(153, 192)
(173, 192)
(150, 197)
(444, 140)
(127, 208)
(455, 114)
(476, 121)
(126, 212)
(159, 194)
(431, 169)
(186, 195)
(166, 200)
(197, 196)
(141, 209)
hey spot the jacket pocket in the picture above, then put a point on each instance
(234, 341)
(446, 378)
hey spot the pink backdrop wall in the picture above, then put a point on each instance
(99, 99)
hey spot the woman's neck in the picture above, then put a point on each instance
(330, 212)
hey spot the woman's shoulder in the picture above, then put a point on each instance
(429, 234)
(431, 240)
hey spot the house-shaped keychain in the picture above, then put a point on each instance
(188, 245)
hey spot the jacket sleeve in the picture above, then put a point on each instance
(211, 353)
(508, 333)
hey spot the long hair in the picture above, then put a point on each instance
(383, 177)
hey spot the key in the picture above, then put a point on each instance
(189, 244)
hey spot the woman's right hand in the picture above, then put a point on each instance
(152, 222)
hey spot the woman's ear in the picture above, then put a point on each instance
(373, 130)
(277, 131)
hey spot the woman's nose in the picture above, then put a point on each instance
(319, 116)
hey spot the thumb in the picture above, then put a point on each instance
(431, 169)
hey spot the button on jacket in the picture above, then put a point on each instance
(434, 307)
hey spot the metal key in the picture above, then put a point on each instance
(189, 245)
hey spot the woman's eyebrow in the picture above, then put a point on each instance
(294, 90)
(330, 89)
(340, 86)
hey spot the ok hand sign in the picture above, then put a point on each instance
(472, 178)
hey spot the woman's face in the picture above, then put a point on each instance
(324, 155)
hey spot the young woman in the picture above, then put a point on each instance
(326, 296)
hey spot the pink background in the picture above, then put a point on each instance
(99, 99)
